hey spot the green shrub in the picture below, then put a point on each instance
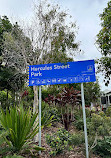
(103, 147)
(108, 111)
(63, 140)
(58, 141)
(27, 99)
(2, 133)
(13, 156)
(3, 99)
(3, 96)
(20, 126)
(97, 123)
(101, 113)
(100, 124)
(49, 115)
(78, 113)
(96, 120)
(63, 134)
(79, 124)
(77, 139)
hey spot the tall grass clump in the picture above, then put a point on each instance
(20, 126)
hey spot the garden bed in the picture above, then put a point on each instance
(78, 152)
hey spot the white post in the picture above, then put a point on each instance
(84, 118)
(39, 118)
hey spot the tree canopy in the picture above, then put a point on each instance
(8, 78)
(5, 26)
(104, 43)
(47, 39)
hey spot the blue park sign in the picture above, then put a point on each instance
(62, 73)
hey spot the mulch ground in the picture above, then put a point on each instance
(78, 152)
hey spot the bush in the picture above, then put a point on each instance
(97, 123)
(19, 126)
(101, 113)
(108, 111)
(103, 147)
(49, 115)
(27, 97)
(78, 113)
(100, 124)
(96, 120)
(13, 156)
(58, 141)
(77, 139)
(3, 99)
(63, 140)
(79, 124)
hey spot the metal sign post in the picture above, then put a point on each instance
(39, 118)
(84, 118)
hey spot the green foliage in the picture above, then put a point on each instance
(79, 124)
(49, 115)
(5, 75)
(101, 113)
(5, 26)
(63, 134)
(78, 115)
(108, 111)
(92, 92)
(20, 125)
(77, 139)
(13, 156)
(100, 124)
(5, 98)
(2, 134)
(58, 141)
(96, 120)
(104, 43)
(47, 118)
(98, 128)
(52, 89)
(103, 147)
(27, 97)
(52, 29)
(9, 78)
(63, 140)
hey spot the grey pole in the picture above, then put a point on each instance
(39, 118)
(84, 118)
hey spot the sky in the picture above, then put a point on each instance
(84, 12)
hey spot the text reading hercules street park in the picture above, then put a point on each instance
(62, 73)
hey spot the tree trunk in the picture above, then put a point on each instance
(35, 109)
(67, 106)
(71, 112)
(62, 116)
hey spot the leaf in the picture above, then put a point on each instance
(37, 148)
(20, 125)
